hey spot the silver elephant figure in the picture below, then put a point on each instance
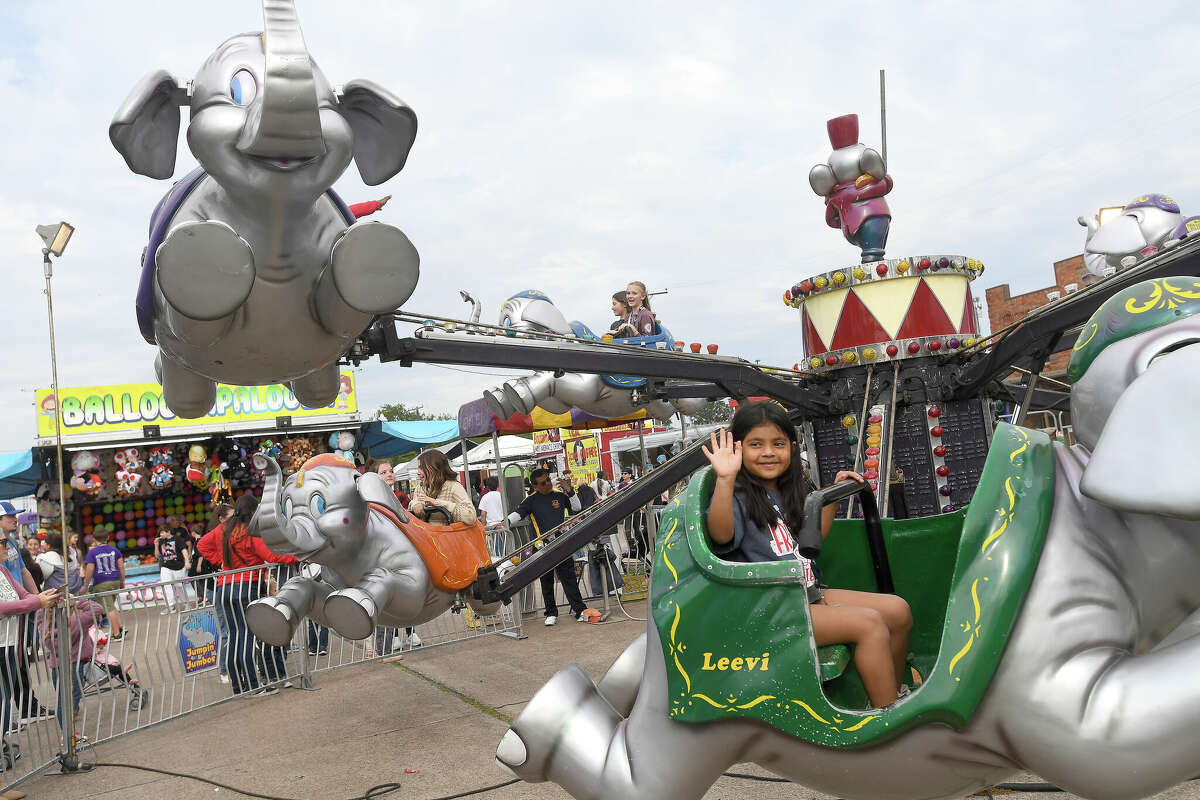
(256, 272)
(376, 565)
(605, 396)
(1142, 227)
(1096, 688)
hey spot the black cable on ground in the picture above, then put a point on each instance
(1027, 787)
(378, 790)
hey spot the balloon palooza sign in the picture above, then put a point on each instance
(100, 409)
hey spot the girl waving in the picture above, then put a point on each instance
(756, 504)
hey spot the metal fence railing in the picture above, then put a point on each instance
(115, 662)
(144, 654)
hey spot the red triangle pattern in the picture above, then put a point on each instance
(857, 325)
(925, 316)
(812, 340)
(968, 320)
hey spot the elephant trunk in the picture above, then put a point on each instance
(285, 122)
(268, 522)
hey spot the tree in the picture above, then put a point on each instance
(711, 412)
(402, 412)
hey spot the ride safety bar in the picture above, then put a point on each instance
(809, 541)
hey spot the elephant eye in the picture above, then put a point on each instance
(287, 508)
(243, 88)
(317, 504)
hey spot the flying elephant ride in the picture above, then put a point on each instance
(604, 396)
(1053, 594)
(378, 565)
(255, 240)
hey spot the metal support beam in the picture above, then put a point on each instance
(1023, 409)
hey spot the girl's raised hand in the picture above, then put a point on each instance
(726, 454)
(848, 475)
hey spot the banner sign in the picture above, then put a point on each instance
(547, 442)
(583, 455)
(198, 641)
(101, 409)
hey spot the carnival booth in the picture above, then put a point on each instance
(129, 464)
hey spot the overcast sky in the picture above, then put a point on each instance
(573, 147)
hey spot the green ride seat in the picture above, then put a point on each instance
(737, 637)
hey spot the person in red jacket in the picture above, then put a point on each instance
(231, 546)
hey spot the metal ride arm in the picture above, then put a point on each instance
(582, 528)
(1029, 342)
(810, 540)
(716, 376)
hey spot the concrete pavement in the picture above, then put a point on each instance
(439, 712)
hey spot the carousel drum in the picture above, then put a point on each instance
(887, 310)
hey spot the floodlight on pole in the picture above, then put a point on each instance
(55, 238)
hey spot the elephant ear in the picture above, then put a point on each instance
(821, 179)
(373, 489)
(145, 129)
(384, 129)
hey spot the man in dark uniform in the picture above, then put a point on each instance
(548, 509)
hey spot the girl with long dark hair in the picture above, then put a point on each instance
(231, 546)
(758, 501)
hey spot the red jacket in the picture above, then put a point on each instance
(248, 551)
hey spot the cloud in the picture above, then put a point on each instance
(573, 148)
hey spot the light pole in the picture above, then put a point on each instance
(55, 238)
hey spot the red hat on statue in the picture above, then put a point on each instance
(843, 131)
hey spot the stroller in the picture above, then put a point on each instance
(105, 672)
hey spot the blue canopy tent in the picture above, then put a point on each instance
(20, 474)
(387, 439)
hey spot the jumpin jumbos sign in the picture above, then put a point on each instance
(198, 641)
(98, 409)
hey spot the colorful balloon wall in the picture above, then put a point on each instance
(134, 522)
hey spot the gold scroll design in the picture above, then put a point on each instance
(1004, 516)
(675, 646)
(1163, 296)
(731, 703)
(1091, 329)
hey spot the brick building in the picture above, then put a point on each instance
(1004, 308)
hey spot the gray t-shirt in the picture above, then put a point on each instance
(752, 542)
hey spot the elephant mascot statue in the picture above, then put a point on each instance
(605, 396)
(1143, 227)
(1092, 687)
(378, 566)
(255, 271)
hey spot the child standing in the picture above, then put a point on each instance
(104, 571)
(756, 504)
